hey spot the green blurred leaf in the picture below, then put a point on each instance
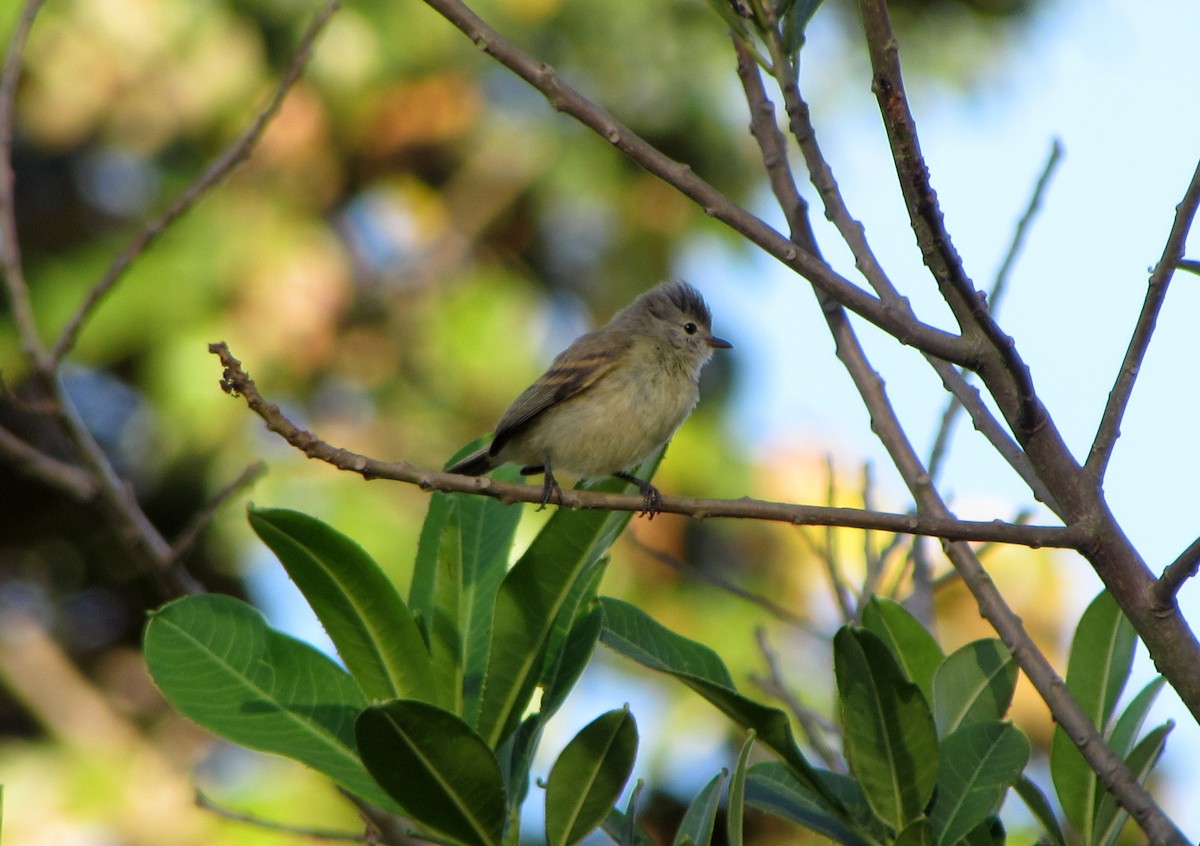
(437, 768)
(735, 811)
(977, 764)
(1110, 817)
(530, 599)
(357, 604)
(622, 827)
(219, 664)
(588, 776)
(771, 787)
(990, 832)
(891, 742)
(633, 633)
(913, 647)
(975, 684)
(1039, 806)
(919, 832)
(696, 827)
(1098, 667)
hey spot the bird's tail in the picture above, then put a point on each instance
(475, 464)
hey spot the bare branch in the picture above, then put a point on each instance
(810, 722)
(201, 520)
(564, 98)
(771, 607)
(10, 246)
(239, 150)
(1156, 294)
(958, 401)
(35, 464)
(1177, 572)
(236, 382)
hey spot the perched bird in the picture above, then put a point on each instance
(611, 398)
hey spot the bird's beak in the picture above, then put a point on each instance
(718, 343)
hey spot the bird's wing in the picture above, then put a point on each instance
(576, 369)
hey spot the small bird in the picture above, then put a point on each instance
(611, 398)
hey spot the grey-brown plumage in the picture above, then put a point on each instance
(612, 397)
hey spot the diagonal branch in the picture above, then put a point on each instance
(236, 382)
(925, 217)
(238, 151)
(10, 245)
(1156, 295)
(566, 99)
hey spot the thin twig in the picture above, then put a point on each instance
(233, 155)
(202, 801)
(1177, 572)
(1156, 294)
(564, 98)
(1189, 265)
(811, 723)
(201, 520)
(833, 557)
(770, 606)
(10, 246)
(236, 382)
(35, 464)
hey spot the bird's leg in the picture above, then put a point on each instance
(550, 485)
(651, 498)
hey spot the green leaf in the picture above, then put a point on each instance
(220, 665)
(974, 685)
(977, 764)
(735, 810)
(990, 832)
(891, 743)
(1110, 817)
(633, 633)
(588, 776)
(529, 601)
(913, 647)
(1129, 725)
(919, 832)
(423, 591)
(437, 768)
(572, 660)
(357, 604)
(622, 826)
(1098, 667)
(1039, 806)
(771, 787)
(696, 827)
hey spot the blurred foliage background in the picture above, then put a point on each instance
(415, 237)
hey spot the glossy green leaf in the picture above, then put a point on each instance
(891, 742)
(219, 664)
(1110, 817)
(426, 570)
(633, 633)
(771, 787)
(735, 810)
(572, 659)
(530, 599)
(1098, 667)
(696, 827)
(356, 602)
(588, 776)
(977, 764)
(913, 647)
(1129, 724)
(1037, 803)
(975, 684)
(437, 768)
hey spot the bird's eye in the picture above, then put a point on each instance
(690, 328)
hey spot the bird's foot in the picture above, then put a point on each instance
(651, 498)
